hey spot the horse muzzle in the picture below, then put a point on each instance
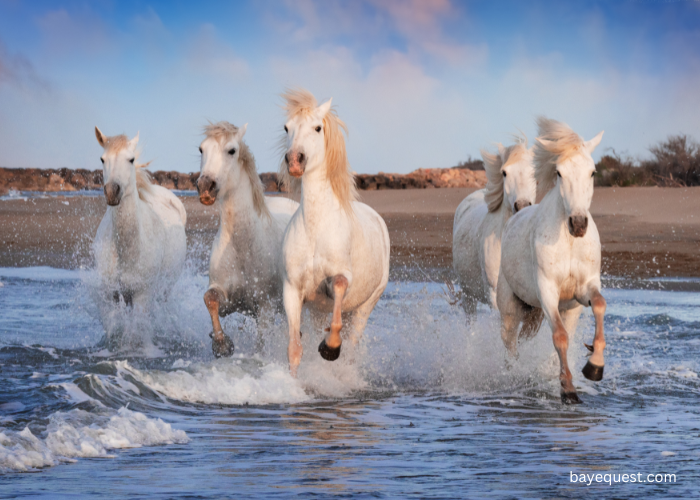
(519, 205)
(578, 224)
(207, 189)
(296, 163)
(113, 194)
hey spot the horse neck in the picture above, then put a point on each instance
(553, 204)
(236, 208)
(126, 221)
(505, 211)
(317, 196)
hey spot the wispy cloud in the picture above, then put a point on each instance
(18, 70)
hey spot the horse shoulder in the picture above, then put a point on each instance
(518, 264)
(166, 205)
(281, 205)
(466, 210)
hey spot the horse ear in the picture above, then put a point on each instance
(545, 143)
(133, 142)
(241, 131)
(324, 108)
(501, 150)
(101, 138)
(593, 143)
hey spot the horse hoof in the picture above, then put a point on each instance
(223, 348)
(570, 398)
(593, 372)
(328, 353)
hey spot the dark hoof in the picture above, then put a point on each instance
(328, 353)
(570, 398)
(223, 348)
(593, 372)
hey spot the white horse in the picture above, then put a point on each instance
(551, 253)
(336, 249)
(481, 217)
(244, 268)
(140, 244)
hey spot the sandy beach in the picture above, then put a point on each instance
(646, 232)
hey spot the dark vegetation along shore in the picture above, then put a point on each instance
(675, 162)
(65, 179)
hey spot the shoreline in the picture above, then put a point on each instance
(647, 232)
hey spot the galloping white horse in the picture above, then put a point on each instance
(480, 218)
(550, 259)
(336, 249)
(140, 243)
(244, 268)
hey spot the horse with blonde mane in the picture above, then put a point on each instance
(336, 249)
(550, 263)
(140, 243)
(481, 217)
(245, 263)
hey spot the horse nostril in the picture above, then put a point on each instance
(286, 158)
(301, 157)
(212, 186)
(519, 205)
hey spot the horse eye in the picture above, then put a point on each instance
(558, 173)
(232, 151)
(504, 174)
(318, 129)
(593, 174)
(102, 160)
(132, 160)
(200, 151)
(286, 129)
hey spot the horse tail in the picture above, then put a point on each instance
(531, 322)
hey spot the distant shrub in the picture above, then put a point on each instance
(612, 170)
(675, 163)
(470, 164)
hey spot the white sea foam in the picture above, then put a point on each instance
(227, 381)
(77, 433)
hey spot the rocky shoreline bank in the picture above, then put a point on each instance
(65, 179)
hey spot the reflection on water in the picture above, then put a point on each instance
(427, 407)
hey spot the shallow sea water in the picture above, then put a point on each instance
(427, 407)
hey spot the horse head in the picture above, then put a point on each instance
(221, 159)
(305, 139)
(519, 186)
(568, 157)
(119, 171)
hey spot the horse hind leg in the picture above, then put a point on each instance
(511, 311)
(221, 344)
(330, 346)
(596, 363)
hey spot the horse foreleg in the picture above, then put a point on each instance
(221, 344)
(594, 367)
(292, 308)
(330, 346)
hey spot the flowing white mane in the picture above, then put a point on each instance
(302, 102)
(561, 143)
(222, 132)
(493, 165)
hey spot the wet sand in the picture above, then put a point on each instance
(646, 232)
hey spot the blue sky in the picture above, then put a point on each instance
(420, 83)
